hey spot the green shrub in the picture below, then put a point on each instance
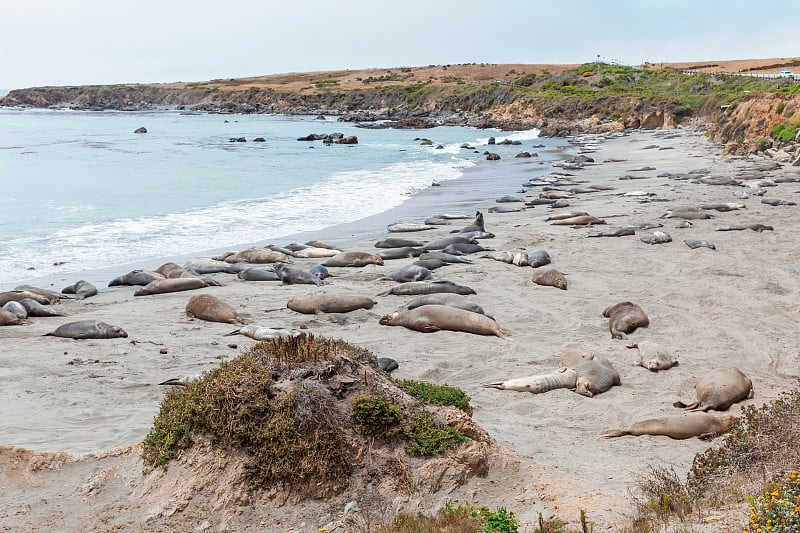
(427, 437)
(777, 510)
(436, 394)
(780, 107)
(376, 417)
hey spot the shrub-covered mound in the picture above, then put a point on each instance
(310, 417)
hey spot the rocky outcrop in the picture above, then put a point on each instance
(746, 125)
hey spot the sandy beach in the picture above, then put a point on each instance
(735, 305)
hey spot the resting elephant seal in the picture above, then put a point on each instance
(652, 356)
(699, 243)
(353, 259)
(295, 276)
(723, 206)
(508, 256)
(172, 270)
(313, 252)
(136, 277)
(582, 220)
(402, 227)
(440, 244)
(88, 329)
(719, 389)
(17, 309)
(320, 271)
(430, 264)
(409, 273)
(580, 370)
(34, 308)
(442, 256)
(430, 318)
(82, 289)
(464, 248)
(658, 237)
(624, 318)
(7, 318)
(397, 242)
(161, 286)
(258, 274)
(687, 213)
(453, 300)
(683, 426)
(549, 277)
(755, 227)
(212, 309)
(399, 253)
(330, 303)
(199, 265)
(43, 296)
(261, 333)
(416, 288)
(19, 295)
(257, 255)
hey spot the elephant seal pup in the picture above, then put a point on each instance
(687, 213)
(755, 227)
(431, 318)
(7, 318)
(397, 242)
(136, 277)
(320, 271)
(416, 288)
(430, 264)
(34, 308)
(464, 248)
(683, 426)
(330, 303)
(618, 232)
(261, 333)
(568, 214)
(387, 364)
(658, 237)
(212, 309)
(538, 258)
(582, 220)
(403, 227)
(82, 289)
(353, 259)
(16, 308)
(549, 277)
(458, 301)
(171, 270)
(400, 253)
(625, 317)
(258, 274)
(161, 286)
(776, 201)
(719, 389)
(312, 252)
(409, 273)
(295, 276)
(88, 329)
(723, 206)
(699, 243)
(652, 356)
(507, 256)
(442, 256)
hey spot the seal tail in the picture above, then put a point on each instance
(689, 407)
(616, 433)
(504, 333)
(385, 293)
(234, 332)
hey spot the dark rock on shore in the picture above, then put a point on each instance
(140, 130)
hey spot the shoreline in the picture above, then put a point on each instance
(734, 305)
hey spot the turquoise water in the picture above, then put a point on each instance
(81, 191)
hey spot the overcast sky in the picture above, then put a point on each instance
(80, 42)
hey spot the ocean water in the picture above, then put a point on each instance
(80, 191)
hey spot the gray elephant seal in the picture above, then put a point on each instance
(258, 274)
(755, 227)
(430, 318)
(34, 308)
(458, 301)
(776, 201)
(7, 318)
(400, 253)
(320, 271)
(409, 273)
(82, 289)
(549, 277)
(688, 213)
(723, 206)
(430, 264)
(161, 286)
(587, 374)
(618, 232)
(653, 356)
(136, 277)
(477, 225)
(387, 364)
(442, 256)
(658, 237)
(403, 227)
(416, 288)
(396, 242)
(538, 258)
(624, 318)
(88, 329)
(353, 259)
(212, 309)
(330, 303)
(295, 276)
(684, 426)
(699, 243)
(17, 309)
(440, 244)
(200, 265)
(719, 389)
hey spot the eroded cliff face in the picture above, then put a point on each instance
(745, 126)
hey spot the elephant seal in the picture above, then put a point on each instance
(776, 201)
(687, 213)
(549, 277)
(161, 286)
(652, 356)
(322, 244)
(353, 259)
(430, 264)
(88, 329)
(507, 256)
(82, 289)
(568, 214)
(439, 244)
(171, 270)
(442, 256)
(43, 296)
(261, 333)
(400, 253)
(624, 318)
(719, 389)
(396, 242)
(409, 273)
(257, 255)
(258, 274)
(587, 374)
(683, 426)
(755, 227)
(16, 308)
(723, 206)
(416, 288)
(582, 220)
(458, 301)
(34, 308)
(320, 271)
(464, 248)
(295, 276)
(387, 364)
(312, 252)
(136, 277)
(430, 318)
(403, 227)
(699, 243)
(477, 225)
(212, 309)
(618, 232)
(329, 303)
(200, 265)
(658, 237)
(538, 258)
(7, 318)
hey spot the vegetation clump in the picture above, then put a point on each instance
(778, 509)
(428, 437)
(436, 394)
(376, 416)
(461, 519)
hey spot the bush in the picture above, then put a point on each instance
(376, 417)
(436, 394)
(778, 509)
(427, 437)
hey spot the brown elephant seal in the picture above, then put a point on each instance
(88, 329)
(171, 270)
(453, 300)
(7, 318)
(430, 318)
(624, 318)
(353, 259)
(683, 426)
(417, 288)
(82, 289)
(295, 276)
(719, 389)
(723, 206)
(580, 370)
(403, 227)
(257, 255)
(549, 277)
(43, 296)
(566, 214)
(329, 303)
(409, 273)
(322, 244)
(19, 295)
(161, 286)
(258, 274)
(653, 356)
(136, 277)
(582, 220)
(212, 309)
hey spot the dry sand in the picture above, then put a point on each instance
(733, 305)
